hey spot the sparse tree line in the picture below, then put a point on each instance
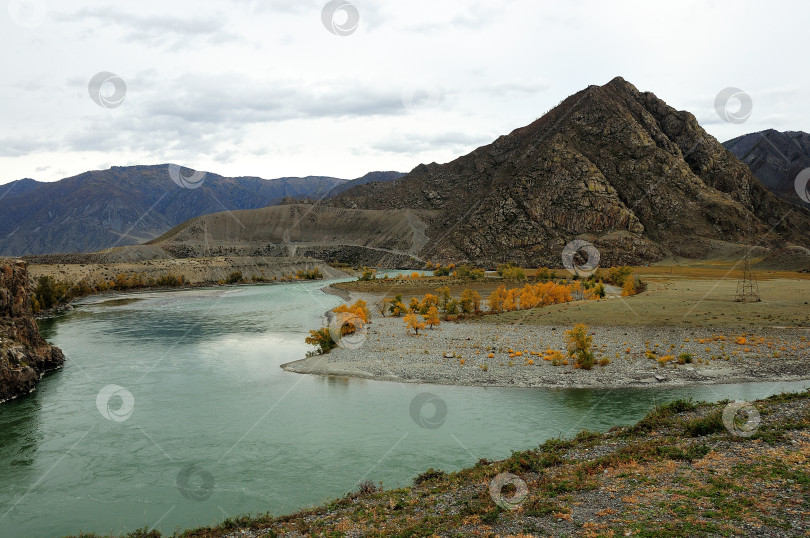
(546, 289)
(589, 287)
(237, 278)
(49, 292)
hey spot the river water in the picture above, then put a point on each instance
(172, 412)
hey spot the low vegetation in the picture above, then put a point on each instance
(356, 315)
(579, 344)
(49, 292)
(321, 339)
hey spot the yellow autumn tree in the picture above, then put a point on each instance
(444, 297)
(412, 321)
(511, 302)
(579, 346)
(427, 301)
(359, 309)
(470, 301)
(629, 287)
(432, 317)
(496, 299)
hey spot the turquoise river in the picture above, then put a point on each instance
(172, 412)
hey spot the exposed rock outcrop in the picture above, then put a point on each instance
(24, 355)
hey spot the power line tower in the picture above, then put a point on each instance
(206, 248)
(747, 286)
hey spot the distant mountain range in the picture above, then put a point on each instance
(776, 158)
(610, 165)
(127, 205)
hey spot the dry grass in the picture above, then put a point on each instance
(696, 299)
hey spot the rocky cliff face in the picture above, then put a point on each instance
(611, 165)
(24, 355)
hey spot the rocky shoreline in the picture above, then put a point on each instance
(484, 354)
(24, 355)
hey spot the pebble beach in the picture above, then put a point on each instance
(485, 354)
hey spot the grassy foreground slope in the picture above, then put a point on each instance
(678, 472)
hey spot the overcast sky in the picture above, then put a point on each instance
(271, 88)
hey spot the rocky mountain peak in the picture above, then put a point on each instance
(610, 164)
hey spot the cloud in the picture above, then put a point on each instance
(515, 88)
(16, 146)
(253, 7)
(235, 98)
(464, 16)
(153, 30)
(414, 143)
(263, 88)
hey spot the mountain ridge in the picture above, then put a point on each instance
(127, 205)
(775, 158)
(596, 167)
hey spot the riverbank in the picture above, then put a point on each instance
(71, 281)
(685, 469)
(486, 355)
(510, 349)
(195, 271)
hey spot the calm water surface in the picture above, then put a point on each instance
(214, 428)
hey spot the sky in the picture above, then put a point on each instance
(276, 88)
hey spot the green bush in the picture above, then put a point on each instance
(313, 274)
(431, 475)
(511, 272)
(368, 274)
(321, 339)
(711, 423)
(617, 275)
(45, 291)
(469, 271)
(443, 270)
